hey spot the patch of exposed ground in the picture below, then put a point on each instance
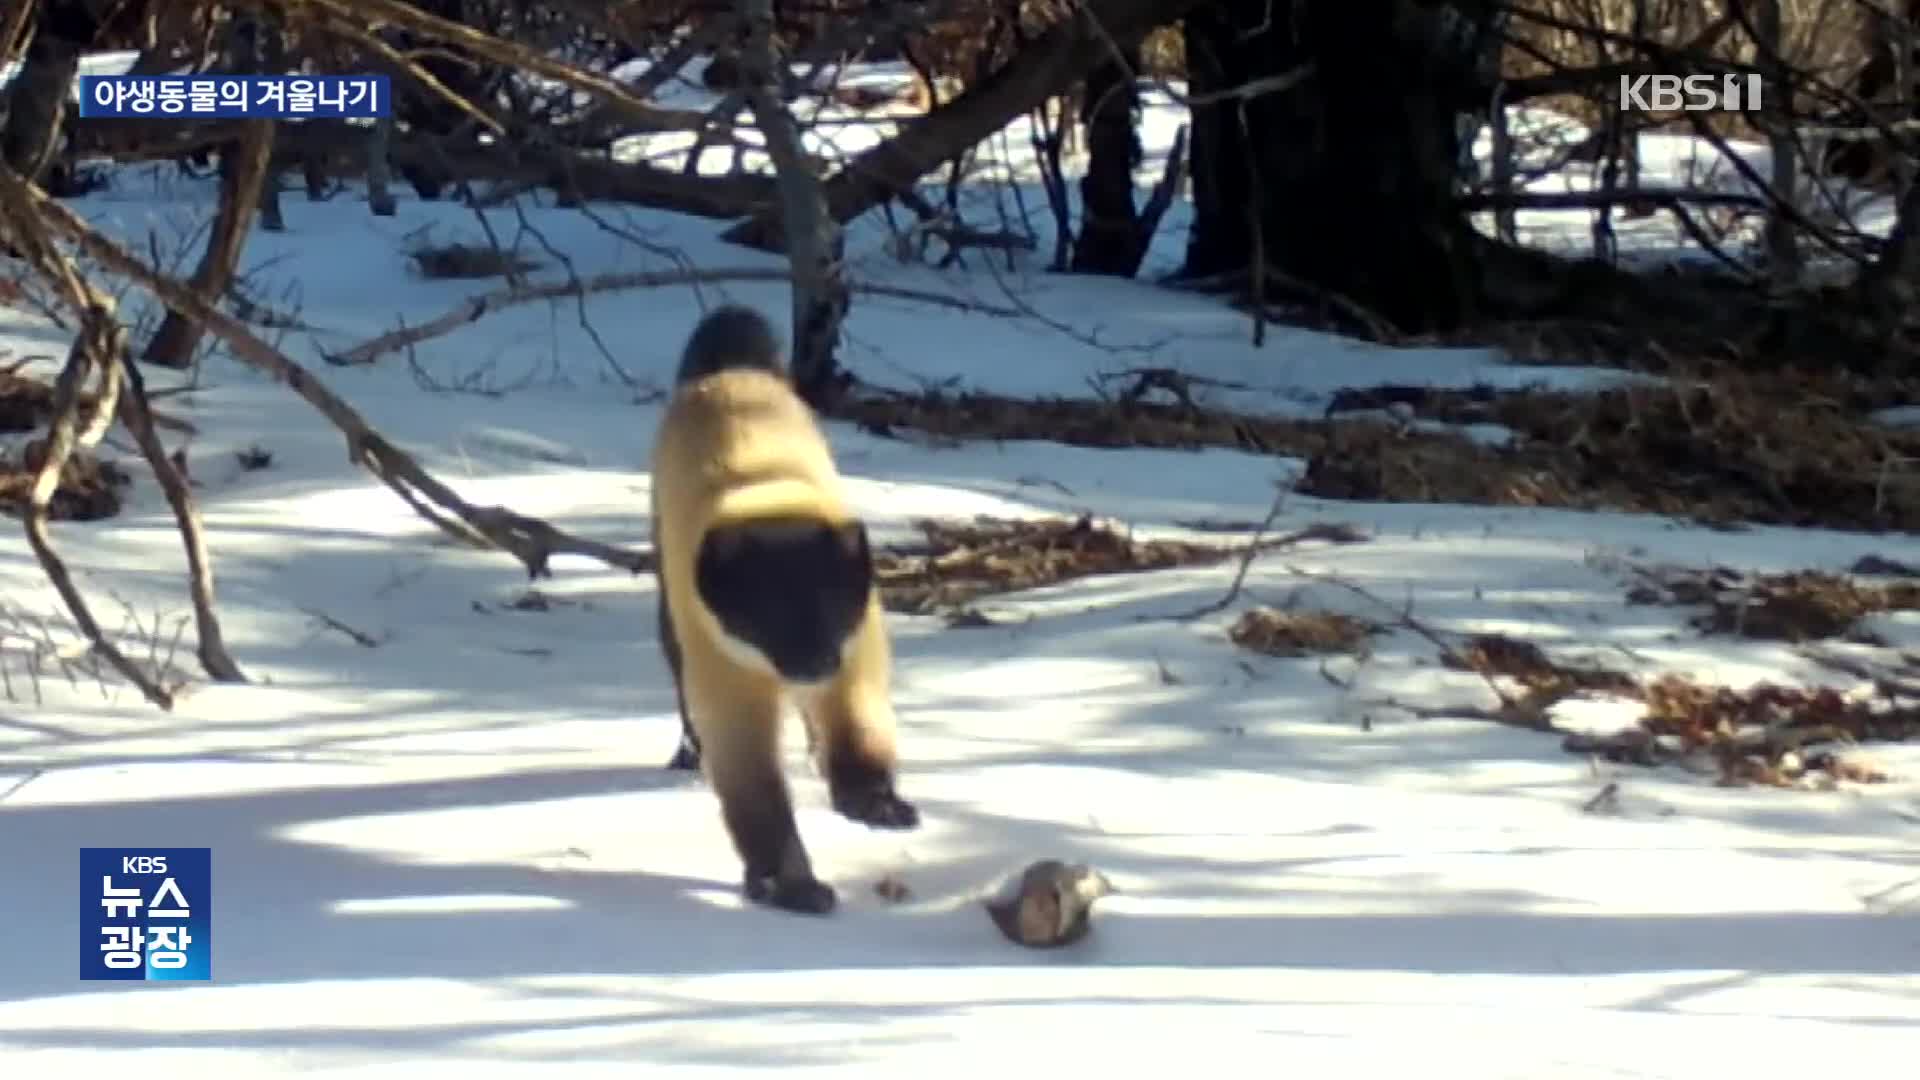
(25, 404)
(1767, 734)
(1294, 633)
(468, 261)
(1775, 735)
(1780, 736)
(90, 489)
(962, 561)
(1800, 606)
(1778, 449)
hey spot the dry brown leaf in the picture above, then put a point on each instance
(1301, 633)
(963, 561)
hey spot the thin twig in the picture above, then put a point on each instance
(1246, 561)
(1512, 710)
(475, 308)
(361, 638)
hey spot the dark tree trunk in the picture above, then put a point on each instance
(38, 97)
(314, 172)
(246, 178)
(256, 45)
(1891, 284)
(380, 168)
(1344, 181)
(1867, 161)
(243, 169)
(424, 112)
(1110, 240)
(1043, 67)
(1216, 61)
(815, 245)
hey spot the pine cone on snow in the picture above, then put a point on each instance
(1050, 904)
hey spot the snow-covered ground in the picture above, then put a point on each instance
(458, 848)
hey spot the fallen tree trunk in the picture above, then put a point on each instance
(343, 150)
(593, 179)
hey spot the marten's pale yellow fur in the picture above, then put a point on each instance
(738, 458)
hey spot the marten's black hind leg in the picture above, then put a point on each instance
(741, 715)
(853, 724)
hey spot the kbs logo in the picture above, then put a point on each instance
(146, 914)
(1690, 93)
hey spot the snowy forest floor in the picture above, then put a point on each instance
(1339, 797)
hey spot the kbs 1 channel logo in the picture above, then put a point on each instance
(228, 97)
(146, 914)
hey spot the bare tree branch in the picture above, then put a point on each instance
(530, 540)
(1045, 66)
(215, 660)
(91, 346)
(475, 308)
(374, 13)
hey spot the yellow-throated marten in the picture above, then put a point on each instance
(767, 594)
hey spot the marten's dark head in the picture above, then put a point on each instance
(730, 337)
(792, 590)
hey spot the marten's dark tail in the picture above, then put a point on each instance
(729, 338)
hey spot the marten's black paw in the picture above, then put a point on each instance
(802, 896)
(877, 807)
(686, 758)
